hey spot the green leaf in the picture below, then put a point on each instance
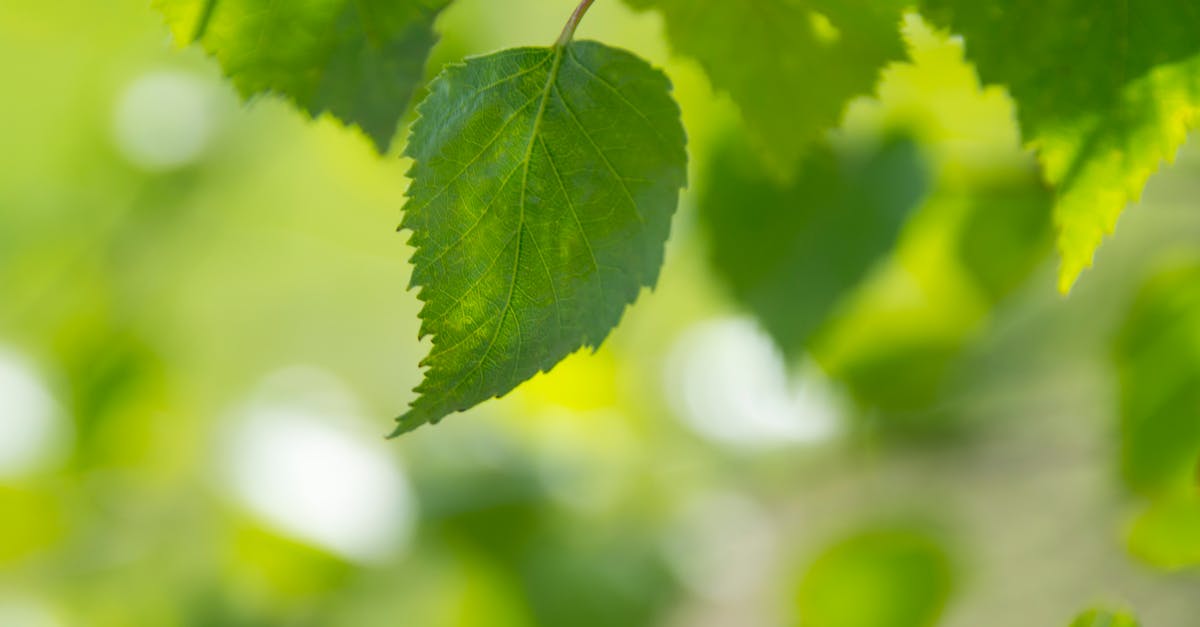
(790, 65)
(1167, 534)
(542, 195)
(903, 342)
(360, 60)
(879, 578)
(1104, 618)
(1006, 232)
(1158, 360)
(1105, 92)
(791, 252)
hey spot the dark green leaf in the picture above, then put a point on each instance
(1007, 232)
(360, 60)
(1158, 357)
(790, 65)
(542, 195)
(791, 252)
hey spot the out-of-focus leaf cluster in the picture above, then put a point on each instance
(910, 292)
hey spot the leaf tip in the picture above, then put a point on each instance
(407, 423)
(1070, 270)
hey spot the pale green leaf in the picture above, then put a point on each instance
(790, 252)
(1167, 534)
(542, 195)
(1106, 92)
(790, 65)
(360, 60)
(888, 577)
(1104, 618)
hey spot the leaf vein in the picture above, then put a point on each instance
(603, 157)
(632, 107)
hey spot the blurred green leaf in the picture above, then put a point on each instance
(360, 60)
(34, 521)
(565, 570)
(901, 343)
(499, 508)
(880, 578)
(904, 380)
(617, 580)
(1167, 534)
(287, 570)
(116, 380)
(791, 252)
(1105, 92)
(1158, 358)
(1006, 233)
(999, 233)
(791, 66)
(1104, 618)
(542, 195)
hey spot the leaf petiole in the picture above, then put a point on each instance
(573, 23)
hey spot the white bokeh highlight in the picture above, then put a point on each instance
(728, 382)
(25, 612)
(299, 458)
(724, 547)
(165, 120)
(34, 433)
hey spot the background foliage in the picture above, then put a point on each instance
(204, 329)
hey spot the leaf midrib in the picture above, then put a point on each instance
(551, 77)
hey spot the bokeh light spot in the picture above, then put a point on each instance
(164, 120)
(728, 382)
(27, 613)
(302, 467)
(33, 430)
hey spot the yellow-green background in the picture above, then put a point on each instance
(242, 317)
